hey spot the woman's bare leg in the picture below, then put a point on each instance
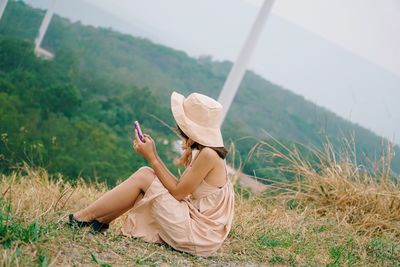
(119, 199)
(115, 214)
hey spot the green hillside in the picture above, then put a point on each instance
(110, 79)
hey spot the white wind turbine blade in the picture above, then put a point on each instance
(238, 70)
(42, 32)
(45, 23)
(3, 4)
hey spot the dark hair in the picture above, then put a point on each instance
(221, 151)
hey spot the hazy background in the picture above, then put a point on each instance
(344, 55)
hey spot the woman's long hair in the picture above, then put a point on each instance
(189, 145)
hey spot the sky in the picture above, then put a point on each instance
(368, 28)
(343, 54)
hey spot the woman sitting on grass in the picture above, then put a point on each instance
(193, 214)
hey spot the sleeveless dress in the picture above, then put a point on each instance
(198, 224)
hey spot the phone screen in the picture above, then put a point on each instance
(136, 125)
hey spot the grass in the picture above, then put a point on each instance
(335, 215)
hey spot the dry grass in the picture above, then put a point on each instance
(336, 215)
(334, 185)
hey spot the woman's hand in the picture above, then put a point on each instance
(147, 148)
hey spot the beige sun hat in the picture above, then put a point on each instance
(199, 117)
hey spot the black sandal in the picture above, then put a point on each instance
(98, 227)
(76, 223)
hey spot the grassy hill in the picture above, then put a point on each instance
(118, 78)
(338, 217)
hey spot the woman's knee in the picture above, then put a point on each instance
(144, 176)
(142, 171)
(145, 169)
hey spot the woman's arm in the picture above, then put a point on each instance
(191, 178)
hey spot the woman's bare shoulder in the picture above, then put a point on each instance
(206, 156)
(208, 153)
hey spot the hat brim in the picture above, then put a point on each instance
(205, 136)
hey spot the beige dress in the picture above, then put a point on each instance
(198, 224)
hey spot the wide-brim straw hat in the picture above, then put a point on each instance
(199, 117)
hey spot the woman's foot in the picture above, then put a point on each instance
(96, 226)
(77, 223)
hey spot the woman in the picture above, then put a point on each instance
(193, 214)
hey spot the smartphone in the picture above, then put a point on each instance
(136, 125)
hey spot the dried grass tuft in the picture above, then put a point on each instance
(34, 194)
(334, 185)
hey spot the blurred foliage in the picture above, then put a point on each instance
(45, 120)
